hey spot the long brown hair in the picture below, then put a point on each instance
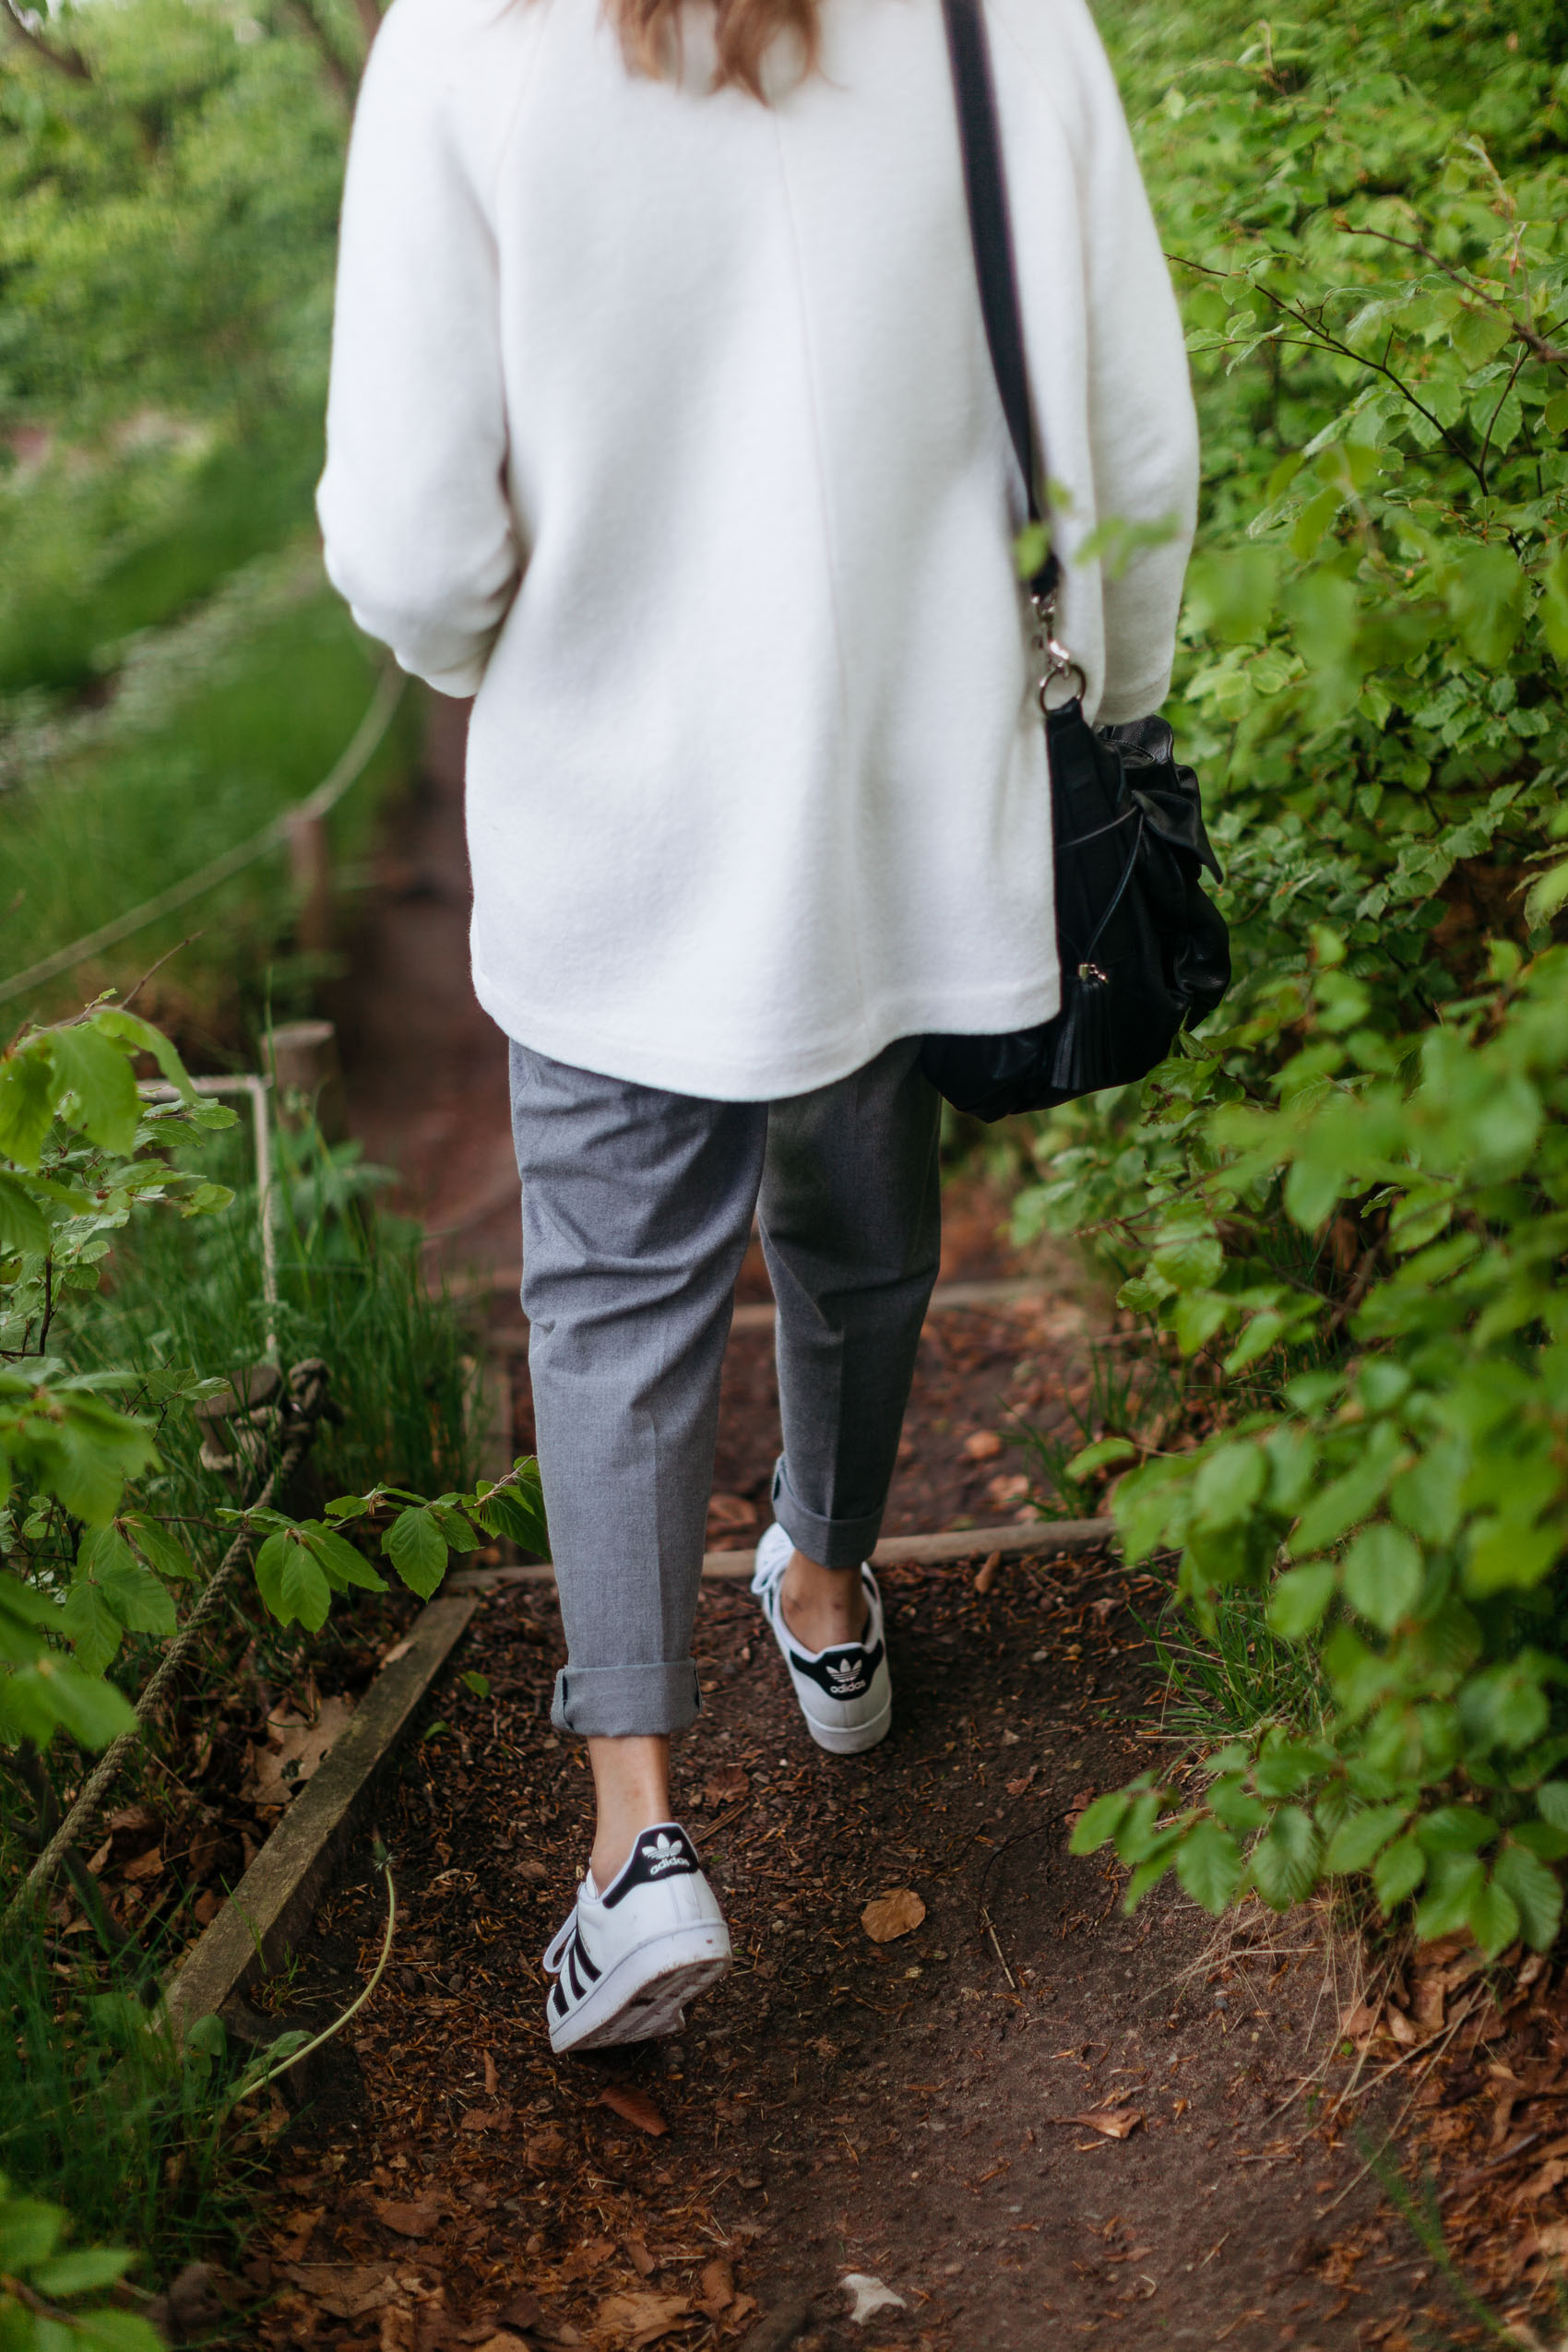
(744, 32)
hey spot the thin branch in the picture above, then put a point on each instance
(370, 17)
(1527, 335)
(1323, 339)
(68, 61)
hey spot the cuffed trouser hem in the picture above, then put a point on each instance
(620, 1701)
(832, 1543)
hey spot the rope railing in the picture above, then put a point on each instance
(356, 758)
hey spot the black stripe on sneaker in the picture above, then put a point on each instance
(578, 1987)
(580, 1954)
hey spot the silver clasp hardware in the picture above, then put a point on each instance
(1056, 663)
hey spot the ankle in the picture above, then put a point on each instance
(632, 1784)
(823, 1607)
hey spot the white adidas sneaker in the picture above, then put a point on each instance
(627, 1961)
(845, 1693)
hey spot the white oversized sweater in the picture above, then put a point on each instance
(664, 422)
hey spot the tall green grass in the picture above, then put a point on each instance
(107, 829)
(350, 1291)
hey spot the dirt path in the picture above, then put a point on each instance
(913, 2111)
(1028, 2121)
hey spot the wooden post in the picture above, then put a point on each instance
(310, 864)
(306, 1075)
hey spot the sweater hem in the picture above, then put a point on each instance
(715, 1077)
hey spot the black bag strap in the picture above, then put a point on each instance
(991, 233)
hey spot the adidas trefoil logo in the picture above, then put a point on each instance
(663, 1853)
(844, 1674)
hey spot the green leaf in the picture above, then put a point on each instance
(1297, 1604)
(1384, 1575)
(477, 1683)
(27, 1101)
(1486, 599)
(1551, 1801)
(93, 1711)
(1397, 1872)
(1353, 1497)
(1455, 1829)
(341, 1560)
(1099, 1823)
(417, 1550)
(1208, 1864)
(23, 1225)
(1227, 1484)
(1285, 1861)
(291, 1583)
(1358, 1841)
(1100, 1456)
(1492, 1916)
(29, 2232)
(91, 1627)
(83, 2271)
(103, 1083)
(1537, 1892)
(159, 1548)
(1453, 1882)
(113, 2331)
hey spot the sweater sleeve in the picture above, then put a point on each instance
(1142, 422)
(419, 531)
(1142, 425)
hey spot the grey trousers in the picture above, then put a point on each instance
(637, 1209)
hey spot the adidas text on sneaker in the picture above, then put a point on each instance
(845, 1693)
(627, 1961)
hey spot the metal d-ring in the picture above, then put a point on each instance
(1058, 663)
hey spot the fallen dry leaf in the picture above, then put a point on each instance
(346, 2290)
(630, 2321)
(545, 2150)
(146, 1865)
(718, 2288)
(730, 1513)
(985, 1574)
(1020, 1788)
(871, 2295)
(415, 2218)
(492, 2080)
(727, 1787)
(1080, 1804)
(96, 1861)
(893, 1915)
(488, 2118)
(1112, 2122)
(585, 2258)
(642, 2261)
(635, 2106)
(984, 1446)
(524, 2311)
(207, 1907)
(131, 1817)
(282, 1770)
(502, 2341)
(532, 1867)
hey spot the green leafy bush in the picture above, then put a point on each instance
(1343, 1200)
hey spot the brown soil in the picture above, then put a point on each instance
(1034, 2119)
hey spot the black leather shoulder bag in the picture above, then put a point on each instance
(1143, 949)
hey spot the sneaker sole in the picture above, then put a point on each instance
(849, 1740)
(645, 1994)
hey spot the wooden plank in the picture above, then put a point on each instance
(1019, 1539)
(274, 1901)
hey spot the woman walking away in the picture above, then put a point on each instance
(662, 421)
